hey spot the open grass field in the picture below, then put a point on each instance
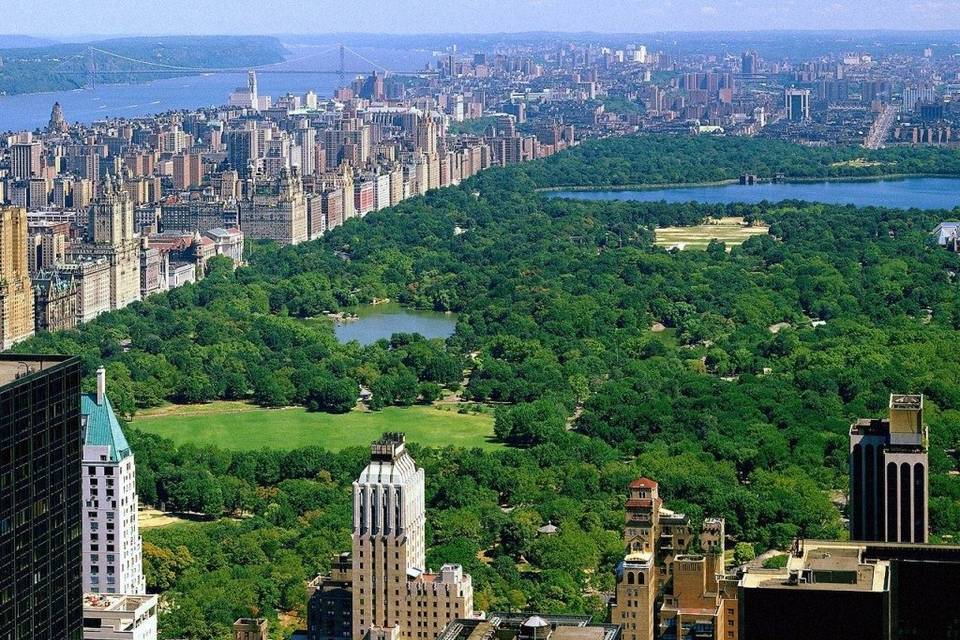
(238, 426)
(728, 230)
(150, 518)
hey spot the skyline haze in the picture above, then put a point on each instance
(139, 17)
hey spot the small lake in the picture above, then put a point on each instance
(383, 320)
(904, 193)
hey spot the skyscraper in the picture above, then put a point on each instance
(57, 122)
(111, 536)
(797, 104)
(252, 88)
(40, 546)
(26, 158)
(393, 596)
(242, 150)
(888, 474)
(111, 236)
(16, 292)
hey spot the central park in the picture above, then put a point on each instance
(595, 354)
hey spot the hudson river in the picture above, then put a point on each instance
(32, 110)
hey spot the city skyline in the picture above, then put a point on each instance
(98, 17)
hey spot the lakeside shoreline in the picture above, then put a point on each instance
(736, 181)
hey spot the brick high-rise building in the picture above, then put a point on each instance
(656, 541)
(889, 479)
(187, 170)
(16, 292)
(41, 596)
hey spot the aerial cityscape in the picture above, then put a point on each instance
(530, 320)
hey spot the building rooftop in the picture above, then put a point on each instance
(823, 567)
(529, 626)
(100, 425)
(14, 366)
(116, 602)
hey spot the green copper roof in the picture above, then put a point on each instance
(102, 427)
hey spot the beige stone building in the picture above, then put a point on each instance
(16, 291)
(112, 238)
(275, 209)
(381, 591)
(394, 597)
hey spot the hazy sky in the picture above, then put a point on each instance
(66, 17)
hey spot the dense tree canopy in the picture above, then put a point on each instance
(740, 408)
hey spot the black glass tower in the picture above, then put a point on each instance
(41, 594)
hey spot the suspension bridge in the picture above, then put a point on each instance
(303, 65)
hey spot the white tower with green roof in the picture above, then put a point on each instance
(112, 548)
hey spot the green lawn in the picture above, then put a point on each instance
(236, 425)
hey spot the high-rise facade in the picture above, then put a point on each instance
(797, 104)
(187, 170)
(26, 159)
(393, 596)
(276, 209)
(658, 571)
(111, 536)
(111, 235)
(889, 483)
(41, 595)
(242, 150)
(16, 292)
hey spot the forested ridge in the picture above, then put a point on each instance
(691, 160)
(66, 66)
(556, 300)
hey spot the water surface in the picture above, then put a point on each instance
(32, 110)
(383, 320)
(904, 193)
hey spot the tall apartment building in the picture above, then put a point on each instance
(54, 301)
(276, 210)
(47, 243)
(26, 158)
(16, 292)
(111, 536)
(656, 540)
(330, 602)
(381, 590)
(92, 278)
(112, 237)
(40, 544)
(187, 170)
(393, 596)
(889, 483)
(797, 104)
(242, 151)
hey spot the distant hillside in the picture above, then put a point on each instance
(12, 41)
(65, 66)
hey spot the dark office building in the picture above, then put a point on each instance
(833, 590)
(889, 484)
(924, 583)
(41, 594)
(330, 602)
